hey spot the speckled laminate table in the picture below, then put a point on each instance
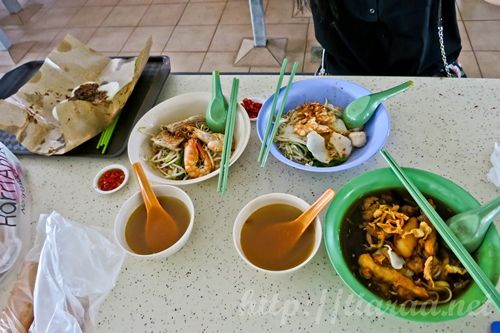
(441, 125)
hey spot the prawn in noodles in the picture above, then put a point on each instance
(185, 149)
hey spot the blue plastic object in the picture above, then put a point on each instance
(339, 93)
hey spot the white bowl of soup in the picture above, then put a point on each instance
(274, 208)
(174, 144)
(131, 221)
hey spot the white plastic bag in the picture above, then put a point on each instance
(17, 315)
(78, 267)
(13, 202)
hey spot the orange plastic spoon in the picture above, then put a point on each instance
(280, 238)
(161, 229)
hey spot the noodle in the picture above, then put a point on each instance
(430, 274)
(314, 134)
(169, 149)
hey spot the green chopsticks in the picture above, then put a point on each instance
(270, 118)
(445, 232)
(106, 135)
(274, 117)
(228, 138)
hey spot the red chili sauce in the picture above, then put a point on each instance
(251, 107)
(111, 179)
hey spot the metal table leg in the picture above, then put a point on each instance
(258, 24)
(12, 6)
(5, 43)
(260, 51)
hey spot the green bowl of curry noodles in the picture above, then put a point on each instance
(389, 254)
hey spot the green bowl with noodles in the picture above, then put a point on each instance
(341, 218)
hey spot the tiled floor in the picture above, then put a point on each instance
(200, 35)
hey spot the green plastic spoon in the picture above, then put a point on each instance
(470, 227)
(359, 111)
(217, 109)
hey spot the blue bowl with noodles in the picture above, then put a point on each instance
(339, 93)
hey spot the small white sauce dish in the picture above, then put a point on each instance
(254, 99)
(266, 200)
(101, 172)
(134, 202)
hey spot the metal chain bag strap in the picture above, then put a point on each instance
(321, 70)
(452, 70)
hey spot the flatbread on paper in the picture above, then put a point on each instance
(49, 115)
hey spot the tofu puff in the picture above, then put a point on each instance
(399, 255)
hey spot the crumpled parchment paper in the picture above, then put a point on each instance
(47, 114)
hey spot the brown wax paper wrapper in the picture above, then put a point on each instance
(55, 112)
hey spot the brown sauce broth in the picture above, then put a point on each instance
(256, 250)
(136, 224)
(352, 237)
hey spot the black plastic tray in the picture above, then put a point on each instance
(142, 99)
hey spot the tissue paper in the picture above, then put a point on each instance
(494, 174)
